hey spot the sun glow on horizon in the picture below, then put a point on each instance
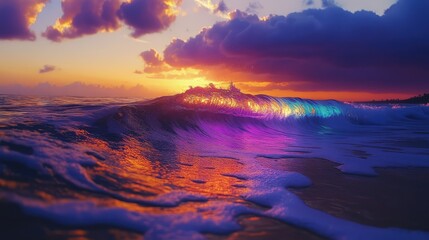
(82, 53)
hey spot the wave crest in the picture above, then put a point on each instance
(232, 101)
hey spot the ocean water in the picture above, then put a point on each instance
(212, 164)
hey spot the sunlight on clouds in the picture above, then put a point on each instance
(264, 18)
(173, 7)
(206, 4)
(88, 17)
(33, 13)
(212, 7)
(62, 25)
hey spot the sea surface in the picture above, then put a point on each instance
(212, 164)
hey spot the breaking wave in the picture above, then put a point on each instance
(211, 104)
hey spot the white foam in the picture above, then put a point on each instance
(269, 189)
(188, 225)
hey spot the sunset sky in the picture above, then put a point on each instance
(341, 49)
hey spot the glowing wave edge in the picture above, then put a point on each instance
(232, 101)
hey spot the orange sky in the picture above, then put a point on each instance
(111, 59)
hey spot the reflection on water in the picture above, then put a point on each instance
(164, 171)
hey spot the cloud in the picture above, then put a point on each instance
(153, 62)
(254, 7)
(47, 68)
(151, 57)
(16, 17)
(86, 17)
(156, 68)
(308, 2)
(79, 89)
(318, 49)
(328, 3)
(221, 7)
(324, 3)
(148, 16)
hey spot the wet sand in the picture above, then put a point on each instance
(398, 197)
(261, 228)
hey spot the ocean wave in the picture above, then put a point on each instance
(191, 109)
(191, 164)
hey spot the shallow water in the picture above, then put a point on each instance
(187, 167)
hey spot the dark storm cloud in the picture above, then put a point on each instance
(85, 17)
(319, 48)
(47, 68)
(16, 16)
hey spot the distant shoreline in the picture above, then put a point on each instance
(420, 99)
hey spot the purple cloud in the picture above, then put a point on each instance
(16, 17)
(86, 17)
(319, 49)
(47, 68)
(151, 57)
(154, 62)
(254, 7)
(328, 3)
(148, 16)
(325, 3)
(221, 7)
